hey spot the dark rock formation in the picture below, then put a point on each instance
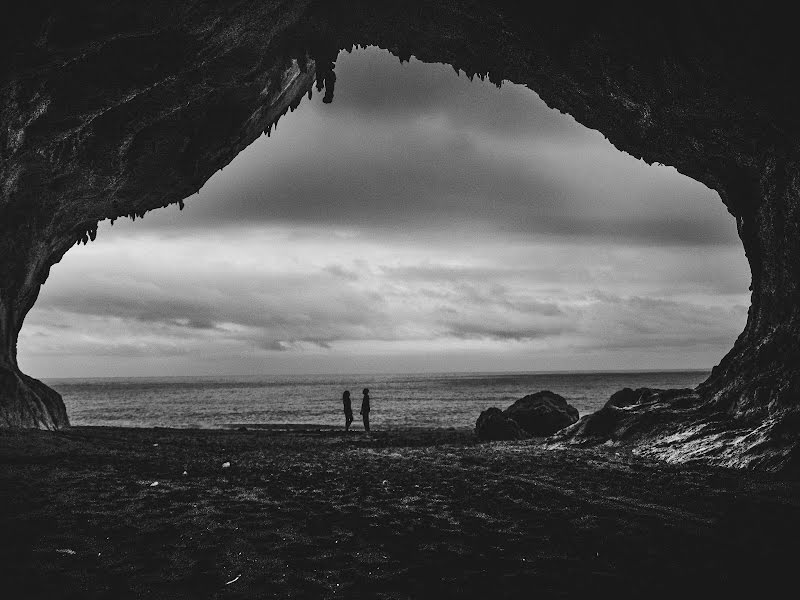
(620, 419)
(542, 413)
(677, 426)
(539, 414)
(28, 402)
(493, 425)
(114, 109)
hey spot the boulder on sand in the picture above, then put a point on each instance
(542, 413)
(492, 424)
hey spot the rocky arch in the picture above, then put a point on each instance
(110, 111)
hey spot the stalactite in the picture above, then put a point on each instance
(324, 55)
(330, 82)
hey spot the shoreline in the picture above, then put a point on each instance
(109, 512)
(276, 427)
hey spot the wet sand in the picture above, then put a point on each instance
(311, 512)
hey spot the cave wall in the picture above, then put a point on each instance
(113, 109)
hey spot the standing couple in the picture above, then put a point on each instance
(348, 410)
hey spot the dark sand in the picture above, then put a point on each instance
(405, 514)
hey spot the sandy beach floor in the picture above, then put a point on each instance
(404, 514)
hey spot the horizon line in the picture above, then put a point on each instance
(389, 373)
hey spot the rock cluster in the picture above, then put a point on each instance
(540, 414)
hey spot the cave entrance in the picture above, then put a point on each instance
(422, 221)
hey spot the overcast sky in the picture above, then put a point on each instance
(421, 222)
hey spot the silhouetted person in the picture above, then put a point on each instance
(365, 410)
(348, 410)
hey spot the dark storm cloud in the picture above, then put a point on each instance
(467, 327)
(431, 273)
(139, 307)
(290, 308)
(402, 189)
(415, 148)
(289, 345)
(383, 181)
(475, 293)
(341, 272)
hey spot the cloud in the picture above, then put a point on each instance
(463, 327)
(611, 322)
(296, 293)
(420, 221)
(414, 148)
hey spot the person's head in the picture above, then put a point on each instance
(366, 392)
(346, 395)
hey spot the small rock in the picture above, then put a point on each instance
(225, 465)
(154, 484)
(492, 424)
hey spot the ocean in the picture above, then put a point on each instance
(425, 400)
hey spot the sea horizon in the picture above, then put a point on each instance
(383, 373)
(399, 400)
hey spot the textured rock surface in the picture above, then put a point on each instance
(28, 402)
(677, 426)
(620, 418)
(542, 413)
(493, 425)
(111, 110)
